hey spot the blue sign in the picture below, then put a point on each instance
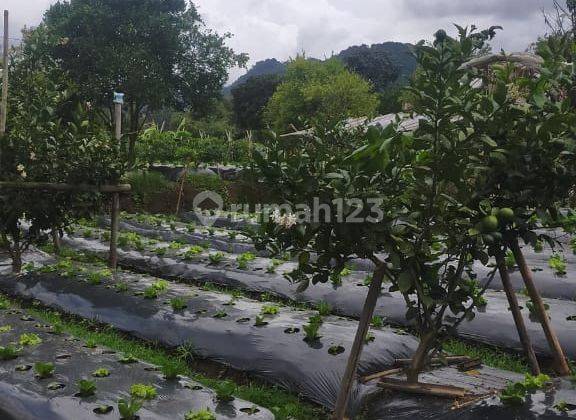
(118, 98)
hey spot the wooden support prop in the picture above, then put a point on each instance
(380, 375)
(451, 360)
(444, 391)
(118, 121)
(49, 186)
(469, 365)
(356, 350)
(114, 218)
(561, 365)
(4, 104)
(516, 314)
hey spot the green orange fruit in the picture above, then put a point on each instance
(488, 224)
(506, 214)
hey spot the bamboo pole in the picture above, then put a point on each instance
(118, 121)
(517, 315)
(50, 186)
(355, 352)
(4, 99)
(114, 218)
(443, 391)
(561, 367)
(115, 206)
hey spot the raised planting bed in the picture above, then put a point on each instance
(278, 344)
(555, 400)
(554, 270)
(260, 338)
(52, 376)
(493, 325)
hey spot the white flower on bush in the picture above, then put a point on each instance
(284, 220)
(32, 156)
(22, 170)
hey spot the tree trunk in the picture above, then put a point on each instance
(419, 359)
(16, 260)
(56, 241)
(15, 251)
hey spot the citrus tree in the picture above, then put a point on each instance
(411, 195)
(528, 120)
(51, 137)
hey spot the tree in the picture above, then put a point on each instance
(373, 64)
(528, 122)
(250, 98)
(314, 91)
(52, 136)
(420, 184)
(158, 52)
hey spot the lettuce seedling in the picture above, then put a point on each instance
(129, 409)
(200, 415)
(29, 339)
(143, 392)
(86, 388)
(44, 370)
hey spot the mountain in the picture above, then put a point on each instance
(399, 54)
(261, 68)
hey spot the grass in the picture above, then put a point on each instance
(490, 356)
(283, 404)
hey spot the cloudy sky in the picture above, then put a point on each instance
(282, 28)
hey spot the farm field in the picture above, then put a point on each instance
(376, 223)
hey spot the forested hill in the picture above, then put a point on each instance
(399, 54)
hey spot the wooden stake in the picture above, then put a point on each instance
(118, 121)
(114, 216)
(355, 352)
(4, 100)
(451, 360)
(516, 314)
(445, 391)
(381, 375)
(562, 367)
(49, 186)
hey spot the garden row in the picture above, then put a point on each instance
(51, 375)
(345, 294)
(301, 350)
(550, 266)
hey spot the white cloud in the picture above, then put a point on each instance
(281, 29)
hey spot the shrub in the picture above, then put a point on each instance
(145, 184)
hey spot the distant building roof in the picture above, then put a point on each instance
(407, 124)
